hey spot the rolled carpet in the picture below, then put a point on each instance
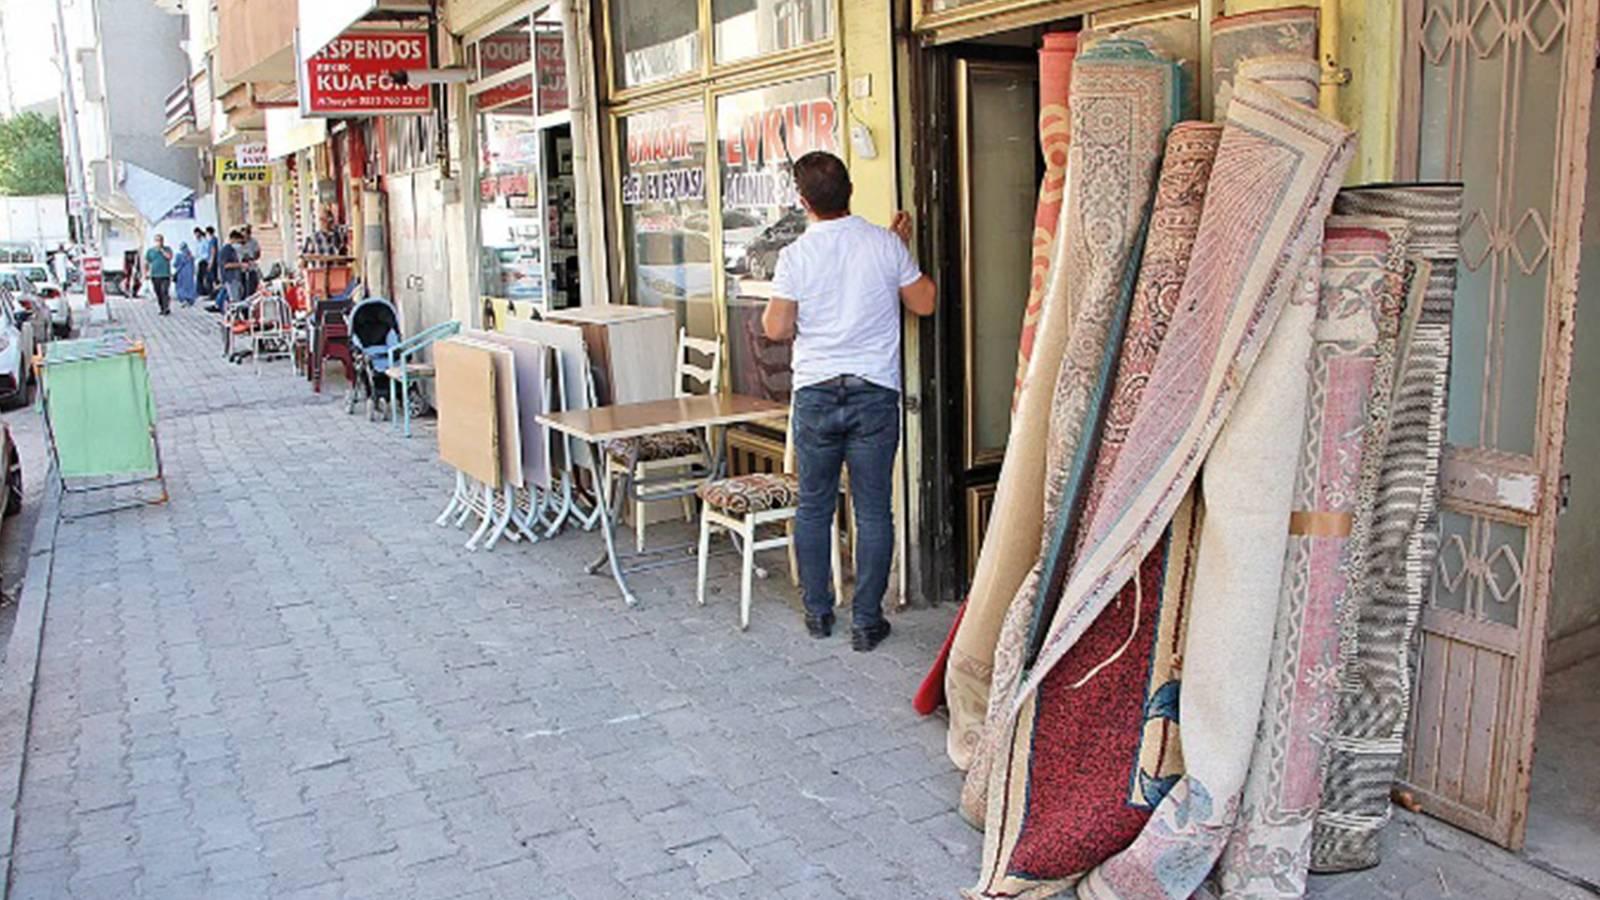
(1276, 170)
(1375, 682)
(960, 674)
(1358, 315)
(1124, 100)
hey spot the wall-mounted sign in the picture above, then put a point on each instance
(252, 155)
(229, 172)
(184, 210)
(352, 76)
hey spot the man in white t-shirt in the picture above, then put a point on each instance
(839, 291)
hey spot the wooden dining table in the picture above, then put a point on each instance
(600, 425)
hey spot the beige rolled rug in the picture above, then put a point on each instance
(960, 674)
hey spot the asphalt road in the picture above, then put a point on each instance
(16, 533)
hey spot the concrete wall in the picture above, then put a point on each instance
(1575, 602)
(143, 62)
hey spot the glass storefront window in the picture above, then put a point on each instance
(498, 54)
(745, 28)
(760, 134)
(510, 216)
(665, 221)
(654, 40)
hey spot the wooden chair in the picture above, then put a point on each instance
(743, 505)
(632, 461)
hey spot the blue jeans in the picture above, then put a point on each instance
(846, 421)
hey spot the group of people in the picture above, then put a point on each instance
(223, 273)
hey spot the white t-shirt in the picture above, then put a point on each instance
(845, 276)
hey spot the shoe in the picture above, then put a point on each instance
(864, 639)
(819, 626)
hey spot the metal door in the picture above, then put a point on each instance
(1496, 94)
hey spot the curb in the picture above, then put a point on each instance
(21, 671)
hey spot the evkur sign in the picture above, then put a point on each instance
(353, 75)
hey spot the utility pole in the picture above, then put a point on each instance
(76, 183)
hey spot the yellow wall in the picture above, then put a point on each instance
(1364, 39)
(867, 34)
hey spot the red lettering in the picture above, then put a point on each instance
(824, 121)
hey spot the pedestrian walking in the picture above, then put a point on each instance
(838, 292)
(233, 269)
(202, 264)
(250, 255)
(158, 268)
(185, 280)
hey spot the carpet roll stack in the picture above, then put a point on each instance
(1199, 683)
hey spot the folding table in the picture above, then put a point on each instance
(596, 426)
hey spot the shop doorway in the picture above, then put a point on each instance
(982, 178)
(1564, 797)
(1505, 109)
(417, 250)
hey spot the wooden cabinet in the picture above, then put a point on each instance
(632, 350)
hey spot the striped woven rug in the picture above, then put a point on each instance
(1375, 682)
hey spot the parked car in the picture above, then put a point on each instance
(761, 254)
(24, 297)
(11, 497)
(16, 352)
(44, 284)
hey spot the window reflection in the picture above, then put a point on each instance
(747, 28)
(761, 133)
(666, 224)
(655, 40)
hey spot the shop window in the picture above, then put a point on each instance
(655, 40)
(550, 58)
(510, 222)
(665, 219)
(760, 134)
(497, 55)
(747, 28)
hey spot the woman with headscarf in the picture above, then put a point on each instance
(185, 277)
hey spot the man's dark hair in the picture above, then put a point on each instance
(236, 235)
(211, 229)
(824, 182)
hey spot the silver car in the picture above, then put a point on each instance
(44, 284)
(16, 352)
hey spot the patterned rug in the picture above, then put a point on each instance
(960, 674)
(1375, 684)
(1277, 167)
(1290, 31)
(1357, 318)
(1124, 100)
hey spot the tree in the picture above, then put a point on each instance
(30, 156)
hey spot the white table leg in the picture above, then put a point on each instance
(608, 527)
(457, 497)
(488, 518)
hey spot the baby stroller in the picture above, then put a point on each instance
(374, 328)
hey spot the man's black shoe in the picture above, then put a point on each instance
(820, 626)
(864, 639)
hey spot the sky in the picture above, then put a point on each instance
(29, 43)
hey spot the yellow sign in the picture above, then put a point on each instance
(230, 172)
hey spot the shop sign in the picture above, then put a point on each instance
(230, 172)
(663, 162)
(252, 155)
(667, 59)
(94, 284)
(184, 210)
(352, 76)
(757, 159)
(551, 72)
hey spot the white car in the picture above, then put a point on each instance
(44, 284)
(16, 353)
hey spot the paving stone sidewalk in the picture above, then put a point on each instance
(288, 682)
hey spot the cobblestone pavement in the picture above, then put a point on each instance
(289, 683)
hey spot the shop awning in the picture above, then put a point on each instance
(288, 132)
(150, 194)
(323, 20)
